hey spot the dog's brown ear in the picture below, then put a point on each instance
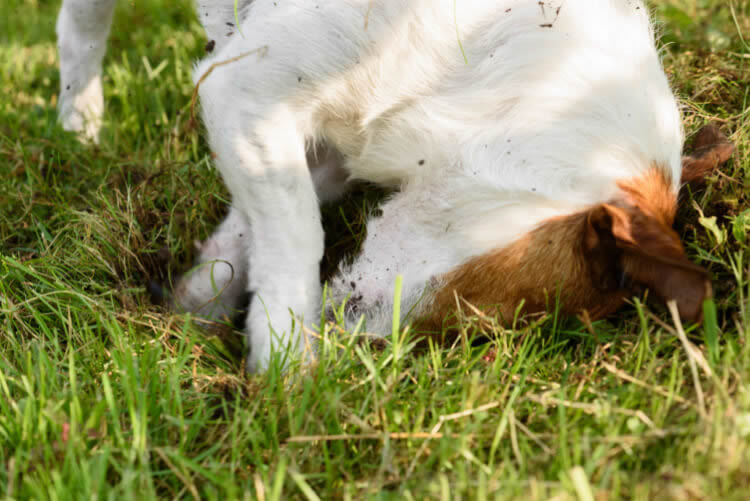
(651, 255)
(601, 251)
(711, 148)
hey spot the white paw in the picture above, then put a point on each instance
(276, 333)
(81, 109)
(212, 290)
(216, 287)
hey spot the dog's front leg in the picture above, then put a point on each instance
(82, 30)
(286, 245)
(260, 152)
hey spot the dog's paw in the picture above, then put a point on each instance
(213, 290)
(278, 331)
(81, 110)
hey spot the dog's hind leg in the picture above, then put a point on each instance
(82, 30)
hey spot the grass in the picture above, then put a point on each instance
(104, 395)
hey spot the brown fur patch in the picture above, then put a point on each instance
(545, 263)
(652, 194)
(580, 259)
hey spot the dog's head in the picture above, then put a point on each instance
(595, 259)
(630, 249)
(633, 241)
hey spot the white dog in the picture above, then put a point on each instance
(535, 146)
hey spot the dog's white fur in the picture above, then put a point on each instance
(488, 116)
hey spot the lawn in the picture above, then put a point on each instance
(103, 394)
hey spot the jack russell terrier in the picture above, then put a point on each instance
(535, 149)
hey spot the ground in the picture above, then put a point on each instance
(104, 394)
